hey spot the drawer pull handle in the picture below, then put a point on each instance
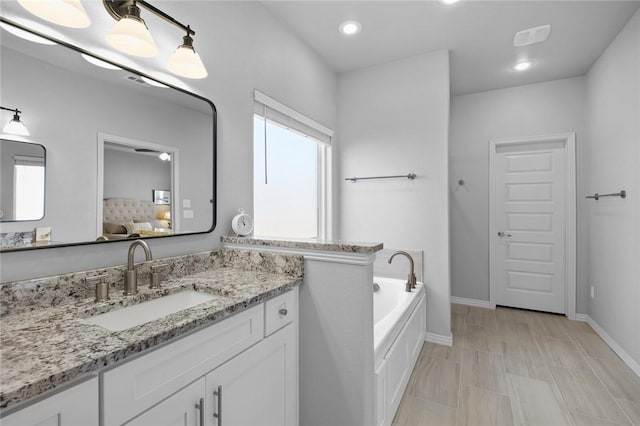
(218, 415)
(283, 312)
(200, 407)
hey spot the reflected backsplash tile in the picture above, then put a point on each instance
(16, 239)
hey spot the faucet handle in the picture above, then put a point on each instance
(102, 287)
(156, 278)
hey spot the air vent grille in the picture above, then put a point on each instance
(531, 36)
(136, 79)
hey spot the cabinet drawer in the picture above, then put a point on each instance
(135, 386)
(280, 311)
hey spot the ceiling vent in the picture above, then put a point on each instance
(531, 36)
(136, 79)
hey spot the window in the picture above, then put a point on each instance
(291, 163)
(28, 177)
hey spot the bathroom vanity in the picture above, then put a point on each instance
(229, 360)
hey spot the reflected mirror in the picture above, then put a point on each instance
(127, 157)
(22, 177)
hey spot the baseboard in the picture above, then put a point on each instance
(632, 363)
(439, 339)
(472, 302)
(582, 317)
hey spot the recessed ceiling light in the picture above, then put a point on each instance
(99, 62)
(350, 27)
(522, 65)
(26, 34)
(448, 2)
(153, 82)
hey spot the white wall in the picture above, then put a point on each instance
(536, 109)
(259, 54)
(613, 143)
(393, 119)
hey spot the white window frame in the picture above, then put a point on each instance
(324, 166)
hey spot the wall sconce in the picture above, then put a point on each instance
(15, 126)
(131, 35)
(68, 13)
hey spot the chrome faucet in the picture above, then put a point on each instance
(131, 276)
(411, 279)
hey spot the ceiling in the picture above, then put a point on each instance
(479, 35)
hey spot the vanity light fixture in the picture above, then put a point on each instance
(185, 61)
(350, 28)
(523, 65)
(15, 126)
(26, 35)
(68, 13)
(131, 35)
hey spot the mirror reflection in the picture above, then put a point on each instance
(104, 131)
(22, 172)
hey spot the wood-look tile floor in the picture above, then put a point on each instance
(516, 367)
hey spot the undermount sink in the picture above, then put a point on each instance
(141, 313)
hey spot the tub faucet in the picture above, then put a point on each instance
(411, 279)
(131, 276)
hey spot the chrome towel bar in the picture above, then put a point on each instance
(596, 196)
(410, 176)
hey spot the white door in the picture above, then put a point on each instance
(529, 228)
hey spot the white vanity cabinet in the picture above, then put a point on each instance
(259, 386)
(180, 409)
(251, 356)
(76, 406)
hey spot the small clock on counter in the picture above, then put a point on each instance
(242, 224)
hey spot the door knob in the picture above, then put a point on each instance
(502, 234)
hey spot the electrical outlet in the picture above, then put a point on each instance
(593, 292)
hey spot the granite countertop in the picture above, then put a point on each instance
(307, 244)
(45, 348)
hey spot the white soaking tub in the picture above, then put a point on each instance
(399, 319)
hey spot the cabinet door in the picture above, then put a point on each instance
(180, 409)
(77, 406)
(259, 386)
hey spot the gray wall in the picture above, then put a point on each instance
(259, 54)
(394, 120)
(134, 175)
(551, 107)
(613, 146)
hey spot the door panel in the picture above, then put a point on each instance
(530, 210)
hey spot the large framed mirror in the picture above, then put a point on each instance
(126, 156)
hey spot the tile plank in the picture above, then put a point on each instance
(619, 379)
(538, 402)
(436, 380)
(418, 412)
(584, 394)
(479, 407)
(484, 370)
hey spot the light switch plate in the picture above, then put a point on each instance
(188, 214)
(186, 203)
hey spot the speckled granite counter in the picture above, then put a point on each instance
(308, 244)
(43, 347)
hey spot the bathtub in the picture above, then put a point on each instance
(399, 320)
